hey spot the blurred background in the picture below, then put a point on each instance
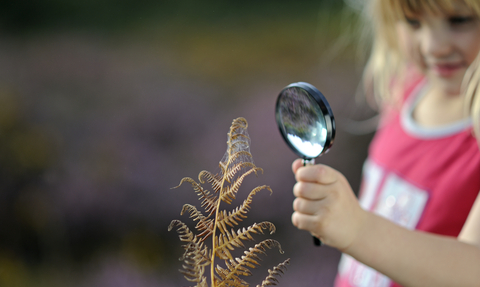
(106, 105)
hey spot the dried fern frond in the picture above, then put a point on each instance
(240, 266)
(209, 201)
(229, 194)
(195, 259)
(231, 218)
(184, 232)
(204, 224)
(277, 271)
(230, 240)
(217, 224)
(196, 256)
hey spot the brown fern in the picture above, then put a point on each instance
(222, 226)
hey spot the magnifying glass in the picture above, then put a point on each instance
(306, 122)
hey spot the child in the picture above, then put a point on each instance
(418, 219)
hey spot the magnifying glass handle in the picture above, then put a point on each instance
(305, 162)
(308, 161)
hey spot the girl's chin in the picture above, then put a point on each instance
(450, 86)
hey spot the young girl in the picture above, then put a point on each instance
(418, 219)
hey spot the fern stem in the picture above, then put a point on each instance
(212, 259)
(214, 247)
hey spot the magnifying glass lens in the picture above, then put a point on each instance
(304, 129)
(305, 120)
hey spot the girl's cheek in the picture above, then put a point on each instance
(475, 51)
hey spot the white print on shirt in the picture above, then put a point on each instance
(372, 177)
(398, 201)
(401, 202)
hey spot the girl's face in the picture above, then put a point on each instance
(443, 45)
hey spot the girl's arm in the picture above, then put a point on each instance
(326, 206)
(414, 258)
(471, 230)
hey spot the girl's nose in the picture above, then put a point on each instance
(436, 42)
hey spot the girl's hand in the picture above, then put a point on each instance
(326, 205)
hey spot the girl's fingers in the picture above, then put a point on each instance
(304, 221)
(306, 206)
(319, 173)
(296, 165)
(311, 191)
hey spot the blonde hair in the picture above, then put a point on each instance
(386, 61)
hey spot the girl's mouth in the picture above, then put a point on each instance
(446, 70)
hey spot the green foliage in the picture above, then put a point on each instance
(21, 16)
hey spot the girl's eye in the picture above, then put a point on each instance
(412, 22)
(460, 20)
